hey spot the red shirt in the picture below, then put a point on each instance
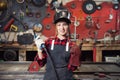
(42, 62)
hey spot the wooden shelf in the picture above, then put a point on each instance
(85, 47)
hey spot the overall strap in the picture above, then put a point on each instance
(67, 45)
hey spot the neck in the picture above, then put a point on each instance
(61, 37)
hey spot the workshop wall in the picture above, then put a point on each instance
(24, 16)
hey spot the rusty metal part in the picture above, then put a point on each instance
(37, 27)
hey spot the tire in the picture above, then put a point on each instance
(10, 55)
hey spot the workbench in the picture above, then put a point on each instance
(85, 47)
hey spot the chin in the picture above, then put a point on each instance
(63, 34)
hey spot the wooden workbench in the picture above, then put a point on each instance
(85, 47)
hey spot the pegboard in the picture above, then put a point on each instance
(26, 13)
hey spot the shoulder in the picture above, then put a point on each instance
(49, 40)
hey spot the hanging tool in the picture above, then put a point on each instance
(15, 30)
(7, 26)
(89, 22)
(76, 24)
(24, 26)
(110, 17)
(94, 46)
(12, 28)
(118, 20)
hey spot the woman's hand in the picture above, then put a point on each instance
(38, 42)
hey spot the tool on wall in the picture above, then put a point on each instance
(12, 28)
(25, 27)
(9, 23)
(15, 30)
(110, 16)
(7, 26)
(89, 6)
(115, 4)
(76, 24)
(37, 27)
(54, 4)
(38, 3)
(99, 7)
(107, 38)
(94, 46)
(98, 24)
(118, 20)
(89, 22)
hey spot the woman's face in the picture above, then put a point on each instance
(62, 28)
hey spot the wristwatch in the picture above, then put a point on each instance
(89, 6)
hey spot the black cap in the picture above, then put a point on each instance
(62, 16)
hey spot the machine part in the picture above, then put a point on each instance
(73, 5)
(26, 38)
(89, 22)
(48, 27)
(107, 38)
(38, 3)
(37, 27)
(54, 4)
(12, 28)
(110, 16)
(30, 14)
(5, 12)
(37, 15)
(20, 1)
(115, 6)
(23, 24)
(76, 24)
(98, 24)
(99, 7)
(15, 29)
(10, 55)
(118, 20)
(7, 26)
(94, 46)
(3, 5)
(89, 6)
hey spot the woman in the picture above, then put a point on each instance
(63, 56)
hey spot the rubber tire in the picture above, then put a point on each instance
(84, 7)
(10, 55)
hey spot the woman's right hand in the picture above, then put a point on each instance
(38, 42)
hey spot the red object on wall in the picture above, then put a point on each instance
(7, 26)
(94, 54)
(75, 8)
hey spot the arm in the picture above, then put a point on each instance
(41, 61)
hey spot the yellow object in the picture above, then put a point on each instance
(13, 27)
(3, 5)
